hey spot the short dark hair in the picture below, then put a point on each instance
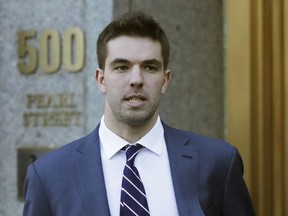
(132, 24)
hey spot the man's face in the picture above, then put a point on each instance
(133, 81)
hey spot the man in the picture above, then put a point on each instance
(178, 172)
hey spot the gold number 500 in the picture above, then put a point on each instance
(49, 58)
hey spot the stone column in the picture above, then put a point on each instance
(48, 96)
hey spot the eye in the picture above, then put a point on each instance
(150, 68)
(121, 68)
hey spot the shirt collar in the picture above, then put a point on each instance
(112, 143)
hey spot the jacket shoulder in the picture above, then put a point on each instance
(70, 151)
(196, 140)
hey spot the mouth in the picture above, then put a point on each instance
(135, 99)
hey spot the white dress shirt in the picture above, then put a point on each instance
(152, 163)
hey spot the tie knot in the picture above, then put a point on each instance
(132, 151)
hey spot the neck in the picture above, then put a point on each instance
(130, 133)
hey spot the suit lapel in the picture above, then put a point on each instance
(89, 176)
(183, 159)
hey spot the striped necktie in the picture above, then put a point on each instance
(133, 199)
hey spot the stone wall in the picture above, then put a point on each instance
(195, 98)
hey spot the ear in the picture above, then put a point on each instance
(99, 77)
(167, 77)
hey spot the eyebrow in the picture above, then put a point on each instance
(153, 62)
(125, 61)
(119, 60)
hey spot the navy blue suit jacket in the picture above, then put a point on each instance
(206, 173)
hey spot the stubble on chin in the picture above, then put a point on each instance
(138, 118)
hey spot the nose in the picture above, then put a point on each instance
(136, 78)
